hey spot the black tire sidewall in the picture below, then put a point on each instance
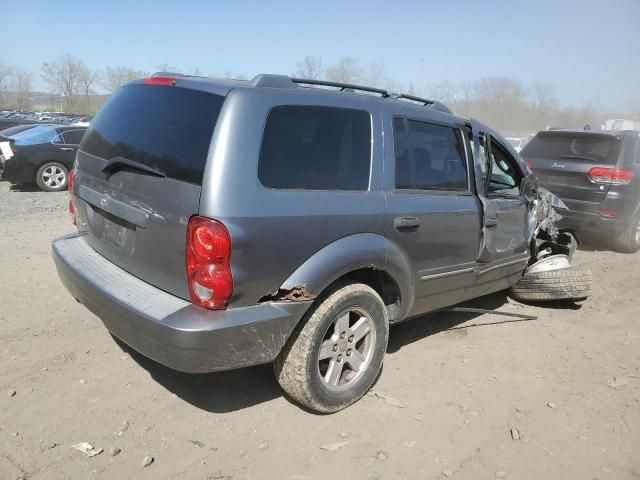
(43, 186)
(319, 392)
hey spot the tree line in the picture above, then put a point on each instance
(504, 103)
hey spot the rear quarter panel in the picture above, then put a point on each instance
(274, 232)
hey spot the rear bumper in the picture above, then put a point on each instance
(169, 329)
(588, 222)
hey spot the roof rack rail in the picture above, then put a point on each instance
(283, 81)
(342, 86)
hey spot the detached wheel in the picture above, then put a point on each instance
(336, 354)
(629, 240)
(564, 284)
(52, 177)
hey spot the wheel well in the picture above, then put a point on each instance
(382, 283)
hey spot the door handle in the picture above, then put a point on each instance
(406, 224)
(491, 222)
(67, 149)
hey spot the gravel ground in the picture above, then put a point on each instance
(461, 396)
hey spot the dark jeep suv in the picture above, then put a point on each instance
(224, 224)
(597, 175)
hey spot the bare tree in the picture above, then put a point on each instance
(543, 97)
(445, 92)
(165, 67)
(466, 87)
(310, 68)
(375, 75)
(115, 77)
(62, 76)
(87, 78)
(346, 70)
(22, 85)
(5, 76)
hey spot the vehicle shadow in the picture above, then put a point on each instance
(233, 390)
(424, 326)
(219, 392)
(24, 187)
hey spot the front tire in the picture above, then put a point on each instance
(52, 177)
(564, 284)
(335, 355)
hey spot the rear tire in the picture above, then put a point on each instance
(335, 355)
(52, 177)
(565, 284)
(629, 240)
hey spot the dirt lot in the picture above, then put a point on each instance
(453, 388)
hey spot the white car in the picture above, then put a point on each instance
(83, 122)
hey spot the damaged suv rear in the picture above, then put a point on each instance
(223, 224)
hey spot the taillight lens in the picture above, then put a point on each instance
(612, 176)
(529, 164)
(166, 81)
(70, 179)
(208, 254)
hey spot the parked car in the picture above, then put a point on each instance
(223, 224)
(43, 155)
(597, 175)
(83, 122)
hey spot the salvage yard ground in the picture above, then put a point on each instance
(462, 396)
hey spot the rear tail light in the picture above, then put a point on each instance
(529, 164)
(166, 81)
(609, 213)
(14, 149)
(208, 253)
(72, 210)
(612, 176)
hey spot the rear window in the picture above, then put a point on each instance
(35, 135)
(591, 148)
(316, 148)
(167, 128)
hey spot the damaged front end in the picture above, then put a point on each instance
(552, 248)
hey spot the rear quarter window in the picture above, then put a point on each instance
(316, 148)
(166, 128)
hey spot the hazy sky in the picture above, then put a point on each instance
(590, 50)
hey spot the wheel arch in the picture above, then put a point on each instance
(364, 258)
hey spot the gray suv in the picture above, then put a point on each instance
(223, 224)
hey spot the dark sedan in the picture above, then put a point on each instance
(43, 155)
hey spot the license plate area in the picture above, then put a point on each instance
(112, 230)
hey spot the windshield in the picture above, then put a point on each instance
(591, 148)
(35, 135)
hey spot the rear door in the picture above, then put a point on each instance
(432, 214)
(138, 178)
(562, 161)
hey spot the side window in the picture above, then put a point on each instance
(73, 137)
(316, 148)
(57, 139)
(504, 177)
(438, 157)
(404, 177)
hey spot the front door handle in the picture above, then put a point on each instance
(491, 222)
(67, 149)
(406, 224)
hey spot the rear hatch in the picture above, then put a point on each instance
(138, 178)
(563, 159)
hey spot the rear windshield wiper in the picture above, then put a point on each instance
(580, 157)
(118, 163)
